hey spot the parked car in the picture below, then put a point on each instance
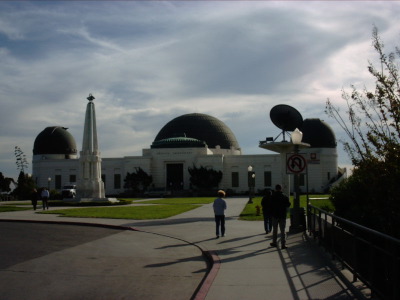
(157, 192)
(68, 191)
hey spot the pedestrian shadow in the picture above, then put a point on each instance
(226, 253)
(185, 244)
(238, 239)
(180, 261)
(306, 267)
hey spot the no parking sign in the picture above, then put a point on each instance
(295, 164)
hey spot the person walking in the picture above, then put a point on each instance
(219, 207)
(279, 205)
(266, 209)
(34, 198)
(45, 198)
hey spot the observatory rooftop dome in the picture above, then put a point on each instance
(318, 134)
(54, 140)
(195, 126)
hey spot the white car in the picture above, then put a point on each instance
(68, 191)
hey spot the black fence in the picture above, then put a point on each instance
(372, 257)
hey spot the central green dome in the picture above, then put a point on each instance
(201, 127)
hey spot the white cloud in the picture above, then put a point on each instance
(149, 62)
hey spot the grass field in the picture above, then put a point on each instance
(166, 208)
(156, 209)
(194, 200)
(5, 208)
(249, 213)
(129, 212)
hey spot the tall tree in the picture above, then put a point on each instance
(21, 161)
(25, 186)
(137, 181)
(5, 183)
(204, 178)
(372, 125)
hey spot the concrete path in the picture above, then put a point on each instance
(245, 266)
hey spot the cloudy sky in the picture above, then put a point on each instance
(149, 62)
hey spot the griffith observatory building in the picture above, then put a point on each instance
(189, 140)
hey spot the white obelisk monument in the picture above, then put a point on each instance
(90, 187)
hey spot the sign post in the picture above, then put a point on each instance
(296, 164)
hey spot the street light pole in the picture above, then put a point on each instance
(48, 183)
(297, 212)
(251, 176)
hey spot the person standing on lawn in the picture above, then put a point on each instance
(219, 207)
(279, 205)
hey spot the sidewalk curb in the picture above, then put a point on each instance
(208, 280)
(213, 262)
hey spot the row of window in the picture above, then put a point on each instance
(72, 179)
(267, 179)
(117, 180)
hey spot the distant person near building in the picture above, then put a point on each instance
(219, 207)
(266, 209)
(45, 198)
(279, 204)
(34, 198)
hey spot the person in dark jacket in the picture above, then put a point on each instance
(266, 209)
(34, 198)
(279, 204)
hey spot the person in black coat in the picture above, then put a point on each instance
(279, 205)
(266, 209)
(34, 198)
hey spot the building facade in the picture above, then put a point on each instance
(189, 140)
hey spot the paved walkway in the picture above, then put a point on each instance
(245, 266)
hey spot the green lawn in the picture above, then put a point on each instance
(5, 208)
(125, 212)
(166, 208)
(249, 213)
(194, 200)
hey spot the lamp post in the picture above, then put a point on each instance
(48, 183)
(251, 178)
(297, 212)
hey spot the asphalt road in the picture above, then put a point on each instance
(57, 261)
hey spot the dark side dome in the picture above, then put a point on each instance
(200, 127)
(54, 140)
(318, 134)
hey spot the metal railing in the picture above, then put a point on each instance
(371, 256)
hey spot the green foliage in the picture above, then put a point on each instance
(25, 186)
(372, 124)
(5, 183)
(204, 178)
(20, 157)
(370, 197)
(372, 119)
(137, 182)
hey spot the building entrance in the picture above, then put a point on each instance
(175, 177)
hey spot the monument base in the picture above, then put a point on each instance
(91, 200)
